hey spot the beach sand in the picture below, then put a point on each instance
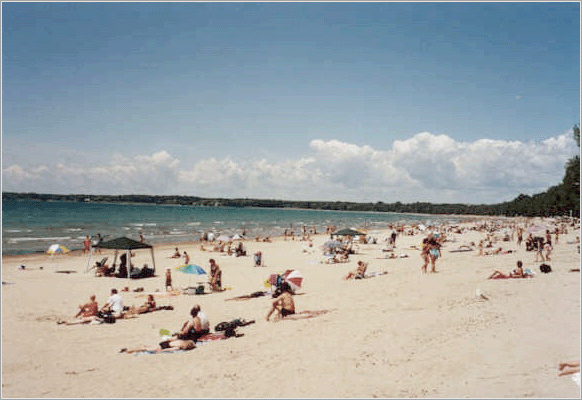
(403, 334)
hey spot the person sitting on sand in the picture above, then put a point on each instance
(359, 273)
(284, 304)
(87, 313)
(114, 304)
(215, 276)
(176, 254)
(191, 331)
(516, 273)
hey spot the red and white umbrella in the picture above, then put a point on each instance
(293, 278)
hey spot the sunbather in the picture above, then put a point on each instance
(87, 313)
(148, 306)
(569, 368)
(186, 339)
(359, 273)
(516, 273)
(284, 305)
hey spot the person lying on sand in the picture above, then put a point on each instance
(359, 273)
(284, 304)
(516, 273)
(148, 306)
(191, 331)
(569, 368)
(87, 313)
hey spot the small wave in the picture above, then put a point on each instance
(73, 229)
(17, 240)
(193, 223)
(12, 230)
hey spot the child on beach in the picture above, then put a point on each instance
(169, 286)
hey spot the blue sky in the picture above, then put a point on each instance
(341, 101)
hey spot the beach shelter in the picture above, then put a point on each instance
(348, 232)
(123, 243)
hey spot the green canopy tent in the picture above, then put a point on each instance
(348, 232)
(122, 243)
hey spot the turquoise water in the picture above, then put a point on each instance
(31, 226)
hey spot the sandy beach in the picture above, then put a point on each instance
(402, 334)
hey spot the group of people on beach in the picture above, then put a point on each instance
(113, 308)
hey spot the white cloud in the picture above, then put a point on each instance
(424, 167)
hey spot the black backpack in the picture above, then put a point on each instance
(545, 268)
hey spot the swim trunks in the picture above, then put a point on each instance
(285, 312)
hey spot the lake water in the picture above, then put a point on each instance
(32, 226)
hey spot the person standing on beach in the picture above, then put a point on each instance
(87, 244)
(169, 286)
(424, 254)
(186, 258)
(434, 252)
(215, 276)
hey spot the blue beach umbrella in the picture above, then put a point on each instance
(192, 269)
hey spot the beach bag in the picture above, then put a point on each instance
(545, 268)
(227, 327)
(108, 318)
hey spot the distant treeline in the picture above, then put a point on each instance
(560, 200)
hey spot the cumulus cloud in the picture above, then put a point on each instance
(424, 167)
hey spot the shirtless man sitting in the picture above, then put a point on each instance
(87, 313)
(284, 304)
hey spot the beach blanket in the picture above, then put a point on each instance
(165, 351)
(375, 274)
(459, 250)
(248, 296)
(211, 337)
(160, 294)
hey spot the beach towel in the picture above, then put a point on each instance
(576, 378)
(165, 351)
(375, 274)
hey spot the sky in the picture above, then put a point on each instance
(365, 102)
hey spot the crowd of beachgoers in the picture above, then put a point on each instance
(530, 245)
